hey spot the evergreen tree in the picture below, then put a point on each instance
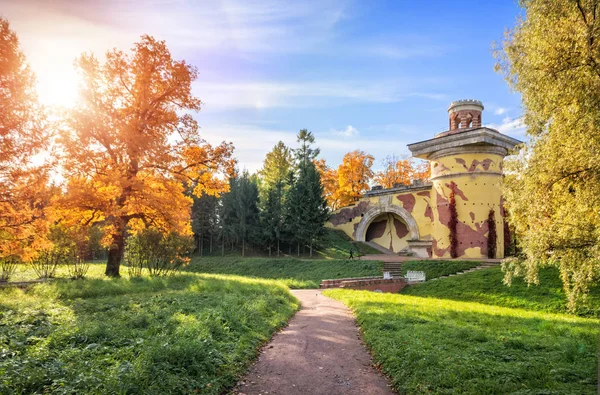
(205, 220)
(276, 167)
(240, 211)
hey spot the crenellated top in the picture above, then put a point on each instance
(465, 114)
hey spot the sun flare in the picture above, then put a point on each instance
(57, 87)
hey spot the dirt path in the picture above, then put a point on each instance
(320, 352)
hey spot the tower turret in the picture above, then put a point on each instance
(466, 162)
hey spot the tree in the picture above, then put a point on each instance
(354, 175)
(306, 153)
(330, 182)
(276, 167)
(272, 217)
(23, 195)
(240, 210)
(130, 146)
(204, 220)
(552, 189)
(395, 172)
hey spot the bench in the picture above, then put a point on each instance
(415, 276)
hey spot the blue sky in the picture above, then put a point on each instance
(371, 75)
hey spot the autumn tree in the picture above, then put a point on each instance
(552, 189)
(130, 146)
(23, 194)
(330, 182)
(354, 175)
(396, 171)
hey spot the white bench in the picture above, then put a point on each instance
(415, 276)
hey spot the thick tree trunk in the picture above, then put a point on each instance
(115, 254)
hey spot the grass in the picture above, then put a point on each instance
(336, 244)
(485, 286)
(294, 273)
(471, 334)
(438, 268)
(184, 333)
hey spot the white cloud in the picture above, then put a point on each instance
(264, 94)
(350, 131)
(500, 110)
(514, 127)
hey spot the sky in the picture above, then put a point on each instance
(373, 76)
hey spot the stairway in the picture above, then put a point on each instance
(484, 265)
(379, 248)
(394, 268)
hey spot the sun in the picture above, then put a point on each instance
(57, 86)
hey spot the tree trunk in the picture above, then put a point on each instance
(298, 250)
(311, 242)
(269, 251)
(201, 246)
(243, 247)
(115, 254)
(210, 245)
(278, 247)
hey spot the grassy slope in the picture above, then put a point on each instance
(459, 335)
(435, 269)
(178, 334)
(336, 245)
(294, 273)
(485, 286)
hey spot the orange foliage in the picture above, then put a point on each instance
(130, 149)
(401, 172)
(354, 175)
(23, 192)
(329, 180)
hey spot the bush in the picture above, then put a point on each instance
(46, 263)
(159, 253)
(8, 266)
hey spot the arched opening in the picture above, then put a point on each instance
(400, 217)
(388, 230)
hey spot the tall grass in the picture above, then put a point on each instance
(180, 334)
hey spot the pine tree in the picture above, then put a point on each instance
(240, 211)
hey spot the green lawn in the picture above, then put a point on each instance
(295, 273)
(485, 286)
(181, 334)
(336, 244)
(438, 268)
(471, 335)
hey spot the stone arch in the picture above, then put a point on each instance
(373, 213)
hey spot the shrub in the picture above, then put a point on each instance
(46, 263)
(159, 253)
(8, 266)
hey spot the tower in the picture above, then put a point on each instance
(466, 163)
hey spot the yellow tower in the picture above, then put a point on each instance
(466, 167)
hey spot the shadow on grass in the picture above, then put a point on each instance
(176, 334)
(444, 346)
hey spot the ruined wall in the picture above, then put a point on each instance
(388, 230)
(475, 179)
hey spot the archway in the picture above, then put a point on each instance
(373, 213)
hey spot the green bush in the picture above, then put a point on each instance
(156, 252)
(8, 267)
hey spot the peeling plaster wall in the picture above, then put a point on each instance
(417, 203)
(475, 179)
